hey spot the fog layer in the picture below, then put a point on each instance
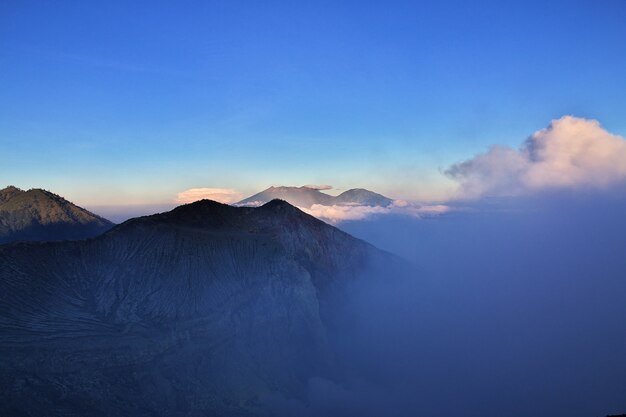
(516, 309)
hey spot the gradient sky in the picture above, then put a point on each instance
(119, 103)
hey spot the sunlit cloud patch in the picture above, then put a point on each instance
(570, 153)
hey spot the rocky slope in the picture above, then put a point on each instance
(41, 215)
(203, 310)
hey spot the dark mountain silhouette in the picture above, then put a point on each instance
(41, 215)
(307, 197)
(204, 309)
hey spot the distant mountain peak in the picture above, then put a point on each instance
(298, 196)
(306, 196)
(361, 196)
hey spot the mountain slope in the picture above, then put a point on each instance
(307, 197)
(41, 215)
(204, 309)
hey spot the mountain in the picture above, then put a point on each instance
(362, 197)
(41, 215)
(203, 310)
(307, 197)
(298, 196)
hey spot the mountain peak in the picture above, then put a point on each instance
(279, 209)
(11, 188)
(39, 214)
(278, 204)
(9, 192)
(200, 208)
(363, 197)
(204, 214)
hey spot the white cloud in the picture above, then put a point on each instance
(318, 187)
(257, 203)
(570, 153)
(337, 214)
(434, 210)
(222, 195)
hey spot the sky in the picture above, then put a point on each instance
(130, 103)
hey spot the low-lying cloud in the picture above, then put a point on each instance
(570, 153)
(339, 213)
(222, 195)
(318, 187)
(505, 307)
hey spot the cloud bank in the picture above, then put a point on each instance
(318, 187)
(570, 153)
(339, 213)
(222, 195)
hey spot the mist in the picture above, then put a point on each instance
(515, 307)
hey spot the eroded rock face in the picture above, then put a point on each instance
(199, 311)
(39, 215)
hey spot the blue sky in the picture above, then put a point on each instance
(119, 103)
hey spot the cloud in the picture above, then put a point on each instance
(318, 187)
(222, 195)
(257, 203)
(337, 214)
(570, 153)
